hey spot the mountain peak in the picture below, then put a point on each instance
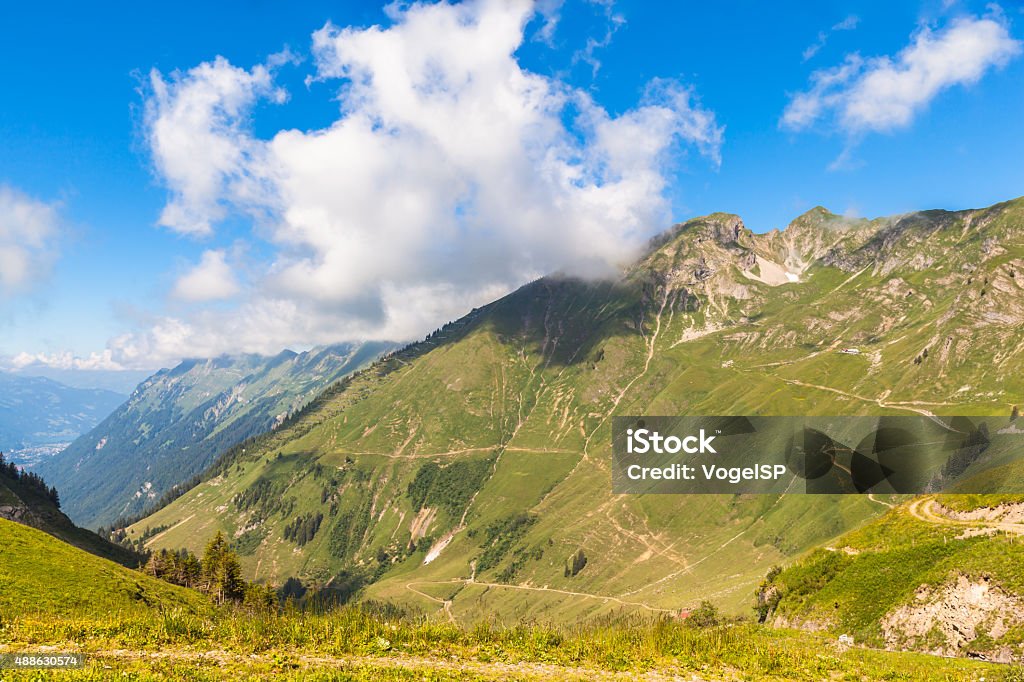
(721, 228)
(818, 211)
(820, 218)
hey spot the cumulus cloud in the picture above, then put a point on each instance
(848, 24)
(29, 232)
(882, 94)
(200, 142)
(210, 280)
(451, 175)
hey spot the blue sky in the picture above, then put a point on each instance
(139, 249)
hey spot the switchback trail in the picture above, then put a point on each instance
(168, 530)
(446, 604)
(871, 496)
(530, 588)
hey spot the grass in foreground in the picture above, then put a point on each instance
(355, 643)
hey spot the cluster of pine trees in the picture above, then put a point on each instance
(576, 563)
(265, 497)
(975, 443)
(218, 574)
(179, 567)
(303, 528)
(29, 479)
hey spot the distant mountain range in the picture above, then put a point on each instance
(178, 420)
(122, 381)
(39, 416)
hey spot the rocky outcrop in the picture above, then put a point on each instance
(1000, 513)
(20, 514)
(726, 228)
(963, 617)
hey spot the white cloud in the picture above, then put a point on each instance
(550, 12)
(29, 231)
(886, 93)
(806, 108)
(210, 280)
(103, 360)
(195, 127)
(450, 176)
(613, 22)
(848, 24)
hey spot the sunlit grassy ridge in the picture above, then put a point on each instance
(33, 506)
(43, 576)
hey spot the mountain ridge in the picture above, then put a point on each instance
(179, 419)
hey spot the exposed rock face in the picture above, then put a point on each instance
(702, 272)
(946, 620)
(18, 514)
(726, 230)
(901, 267)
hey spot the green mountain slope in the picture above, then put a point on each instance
(39, 417)
(40, 575)
(946, 585)
(28, 500)
(469, 474)
(177, 421)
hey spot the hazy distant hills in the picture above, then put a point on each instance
(122, 381)
(471, 470)
(175, 423)
(39, 416)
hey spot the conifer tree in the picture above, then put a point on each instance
(187, 570)
(221, 572)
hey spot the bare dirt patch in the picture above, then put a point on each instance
(419, 526)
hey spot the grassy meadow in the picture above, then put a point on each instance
(55, 598)
(362, 644)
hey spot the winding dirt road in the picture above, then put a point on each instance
(528, 588)
(928, 510)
